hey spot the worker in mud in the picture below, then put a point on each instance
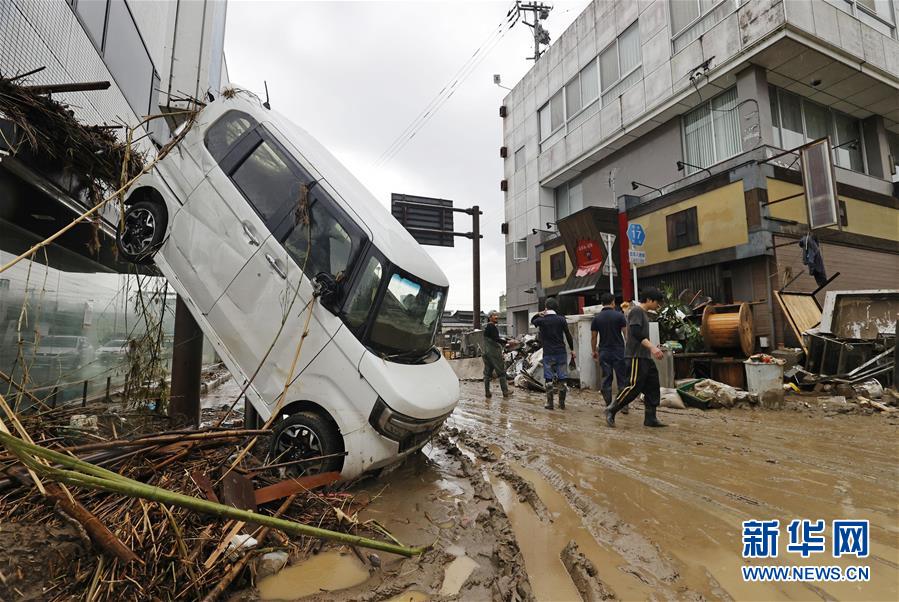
(608, 325)
(493, 356)
(554, 332)
(643, 376)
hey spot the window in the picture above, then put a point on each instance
(683, 229)
(573, 96)
(797, 120)
(552, 115)
(269, 183)
(321, 235)
(406, 319)
(712, 131)
(618, 63)
(844, 217)
(557, 266)
(221, 135)
(361, 300)
(520, 250)
(569, 198)
(581, 90)
(519, 159)
(893, 142)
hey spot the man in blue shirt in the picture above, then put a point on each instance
(554, 332)
(609, 324)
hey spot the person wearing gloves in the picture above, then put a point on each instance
(554, 333)
(493, 357)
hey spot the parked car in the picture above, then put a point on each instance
(113, 351)
(63, 352)
(246, 217)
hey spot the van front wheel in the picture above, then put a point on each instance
(305, 436)
(141, 231)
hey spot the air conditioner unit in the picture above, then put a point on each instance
(504, 185)
(504, 228)
(502, 111)
(503, 152)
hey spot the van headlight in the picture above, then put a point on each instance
(399, 427)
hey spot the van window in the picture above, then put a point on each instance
(319, 232)
(224, 133)
(359, 304)
(267, 181)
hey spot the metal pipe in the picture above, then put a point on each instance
(476, 264)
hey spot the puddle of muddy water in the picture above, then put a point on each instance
(329, 571)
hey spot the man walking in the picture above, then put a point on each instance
(642, 371)
(493, 356)
(609, 324)
(553, 327)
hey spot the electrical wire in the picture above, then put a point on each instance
(450, 88)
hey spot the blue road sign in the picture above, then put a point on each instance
(636, 234)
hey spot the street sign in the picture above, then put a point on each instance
(608, 238)
(428, 220)
(606, 269)
(636, 234)
(636, 257)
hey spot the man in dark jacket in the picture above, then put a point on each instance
(642, 371)
(609, 325)
(554, 332)
(493, 356)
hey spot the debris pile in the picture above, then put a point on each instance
(165, 549)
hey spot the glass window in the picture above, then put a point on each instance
(127, 58)
(557, 266)
(562, 206)
(575, 196)
(682, 13)
(318, 242)
(573, 97)
(712, 131)
(266, 179)
(545, 127)
(818, 122)
(360, 302)
(893, 141)
(407, 317)
(589, 83)
(520, 250)
(93, 18)
(682, 229)
(629, 49)
(608, 66)
(775, 115)
(850, 155)
(221, 135)
(519, 159)
(791, 120)
(726, 125)
(556, 111)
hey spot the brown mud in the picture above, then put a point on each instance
(556, 506)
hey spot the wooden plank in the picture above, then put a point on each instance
(292, 486)
(802, 312)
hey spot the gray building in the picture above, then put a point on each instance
(633, 87)
(154, 54)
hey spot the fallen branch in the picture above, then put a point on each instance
(83, 474)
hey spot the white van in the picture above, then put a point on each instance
(228, 217)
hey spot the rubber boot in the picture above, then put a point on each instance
(649, 417)
(610, 413)
(563, 391)
(487, 392)
(549, 396)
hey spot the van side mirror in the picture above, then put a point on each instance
(327, 288)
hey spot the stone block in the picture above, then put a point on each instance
(850, 34)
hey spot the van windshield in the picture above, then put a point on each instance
(406, 320)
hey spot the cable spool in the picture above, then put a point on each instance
(728, 327)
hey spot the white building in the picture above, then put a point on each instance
(631, 88)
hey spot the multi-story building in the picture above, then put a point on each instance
(670, 114)
(154, 54)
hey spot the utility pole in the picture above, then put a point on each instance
(476, 264)
(540, 13)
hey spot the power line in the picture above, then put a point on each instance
(450, 88)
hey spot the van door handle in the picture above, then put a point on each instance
(275, 265)
(251, 238)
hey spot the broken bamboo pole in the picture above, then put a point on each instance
(82, 474)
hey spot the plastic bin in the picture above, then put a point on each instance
(765, 381)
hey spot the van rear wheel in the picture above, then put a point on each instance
(140, 234)
(303, 436)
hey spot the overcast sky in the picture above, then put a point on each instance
(355, 74)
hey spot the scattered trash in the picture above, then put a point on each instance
(870, 388)
(271, 563)
(764, 358)
(242, 543)
(720, 395)
(671, 399)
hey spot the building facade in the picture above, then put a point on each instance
(671, 113)
(75, 295)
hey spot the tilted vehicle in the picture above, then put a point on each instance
(245, 217)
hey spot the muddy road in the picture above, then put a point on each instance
(652, 513)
